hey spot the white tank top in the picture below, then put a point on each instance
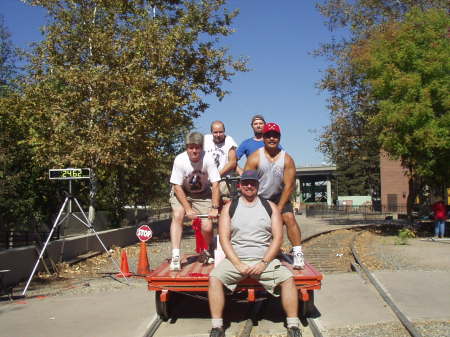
(270, 175)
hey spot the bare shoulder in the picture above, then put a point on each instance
(288, 161)
(252, 161)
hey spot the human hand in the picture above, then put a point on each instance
(213, 213)
(257, 268)
(243, 268)
(191, 214)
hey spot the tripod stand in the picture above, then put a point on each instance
(68, 203)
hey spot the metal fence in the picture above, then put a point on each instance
(72, 227)
(364, 212)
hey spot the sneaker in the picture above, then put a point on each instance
(217, 332)
(205, 257)
(299, 261)
(293, 331)
(175, 264)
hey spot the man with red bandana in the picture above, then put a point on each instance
(276, 172)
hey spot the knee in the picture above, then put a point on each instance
(214, 284)
(207, 226)
(288, 285)
(289, 219)
(177, 216)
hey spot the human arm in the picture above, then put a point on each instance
(214, 178)
(225, 240)
(214, 211)
(231, 164)
(288, 181)
(275, 245)
(252, 161)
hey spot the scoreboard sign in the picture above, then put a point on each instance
(69, 173)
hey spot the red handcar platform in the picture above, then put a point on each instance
(194, 276)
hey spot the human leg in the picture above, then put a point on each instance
(225, 274)
(277, 277)
(176, 227)
(293, 229)
(216, 298)
(203, 206)
(289, 301)
(436, 228)
(289, 297)
(176, 231)
(441, 228)
(294, 235)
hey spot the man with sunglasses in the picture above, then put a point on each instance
(251, 236)
(195, 190)
(276, 173)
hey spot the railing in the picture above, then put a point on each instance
(366, 211)
(72, 227)
(14, 239)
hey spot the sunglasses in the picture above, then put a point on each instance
(249, 182)
(271, 134)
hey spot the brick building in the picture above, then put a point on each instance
(394, 184)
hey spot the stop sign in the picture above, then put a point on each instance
(144, 233)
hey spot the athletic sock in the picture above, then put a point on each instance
(297, 249)
(217, 322)
(292, 321)
(176, 252)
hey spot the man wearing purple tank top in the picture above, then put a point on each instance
(276, 172)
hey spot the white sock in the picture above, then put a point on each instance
(292, 321)
(176, 252)
(297, 249)
(217, 322)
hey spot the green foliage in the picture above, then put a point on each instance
(114, 85)
(407, 68)
(357, 129)
(403, 235)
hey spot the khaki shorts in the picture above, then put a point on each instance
(224, 190)
(199, 205)
(270, 278)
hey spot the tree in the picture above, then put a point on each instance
(7, 59)
(21, 193)
(349, 140)
(115, 84)
(406, 68)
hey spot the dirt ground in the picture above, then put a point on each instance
(378, 249)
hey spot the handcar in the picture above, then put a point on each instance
(194, 276)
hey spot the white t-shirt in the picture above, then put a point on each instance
(219, 152)
(195, 178)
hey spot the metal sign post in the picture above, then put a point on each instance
(69, 174)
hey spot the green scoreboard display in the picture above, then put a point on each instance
(70, 173)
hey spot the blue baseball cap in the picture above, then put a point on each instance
(250, 175)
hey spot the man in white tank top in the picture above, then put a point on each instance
(276, 172)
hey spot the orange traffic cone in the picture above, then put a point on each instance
(143, 267)
(125, 270)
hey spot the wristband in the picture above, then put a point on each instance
(215, 207)
(265, 262)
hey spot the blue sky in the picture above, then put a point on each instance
(278, 38)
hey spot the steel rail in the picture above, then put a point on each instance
(153, 326)
(409, 326)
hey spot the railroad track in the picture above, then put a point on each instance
(333, 252)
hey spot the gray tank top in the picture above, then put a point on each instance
(270, 175)
(251, 230)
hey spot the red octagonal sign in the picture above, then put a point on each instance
(144, 233)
